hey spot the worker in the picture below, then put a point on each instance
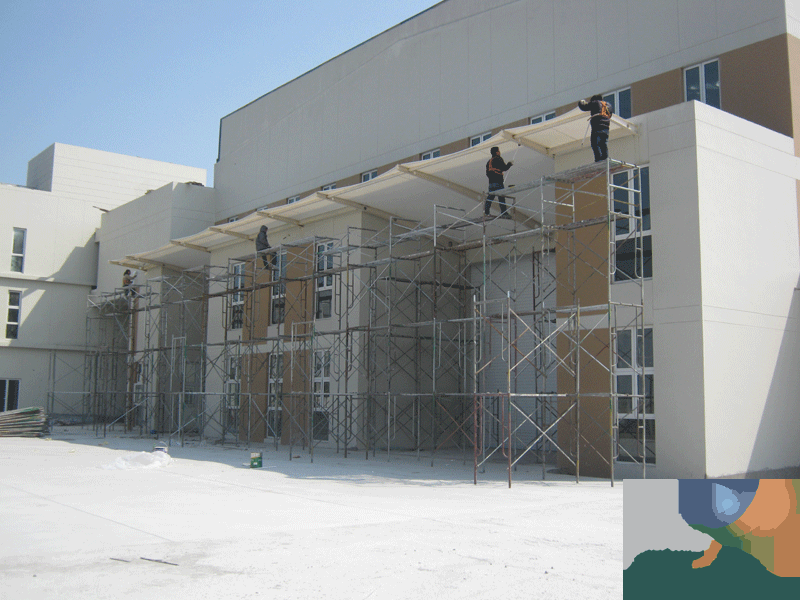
(262, 244)
(600, 121)
(127, 281)
(495, 167)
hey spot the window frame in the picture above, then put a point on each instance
(238, 274)
(321, 386)
(274, 392)
(637, 369)
(277, 303)
(233, 383)
(548, 116)
(479, 139)
(631, 203)
(431, 154)
(614, 99)
(324, 284)
(292, 199)
(368, 175)
(328, 188)
(5, 393)
(701, 69)
(12, 324)
(18, 256)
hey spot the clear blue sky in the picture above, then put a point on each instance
(152, 78)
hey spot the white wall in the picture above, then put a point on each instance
(750, 268)
(58, 272)
(459, 69)
(61, 253)
(725, 312)
(173, 211)
(105, 179)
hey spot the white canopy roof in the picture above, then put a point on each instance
(409, 191)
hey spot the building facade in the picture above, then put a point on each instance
(624, 318)
(51, 268)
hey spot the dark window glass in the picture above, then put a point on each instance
(645, 354)
(324, 300)
(649, 395)
(237, 316)
(321, 425)
(625, 389)
(274, 422)
(624, 108)
(626, 259)
(644, 200)
(692, 77)
(624, 349)
(278, 311)
(621, 201)
(711, 76)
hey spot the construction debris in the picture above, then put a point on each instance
(23, 422)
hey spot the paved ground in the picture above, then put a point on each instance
(74, 523)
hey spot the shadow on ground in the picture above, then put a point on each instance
(445, 468)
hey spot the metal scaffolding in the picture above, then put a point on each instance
(491, 340)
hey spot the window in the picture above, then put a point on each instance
(18, 250)
(237, 297)
(324, 282)
(475, 140)
(635, 396)
(621, 101)
(9, 394)
(701, 83)
(369, 175)
(260, 208)
(430, 154)
(232, 219)
(322, 394)
(329, 187)
(274, 389)
(543, 118)
(278, 292)
(232, 384)
(292, 200)
(633, 252)
(12, 324)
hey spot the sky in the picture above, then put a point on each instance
(152, 78)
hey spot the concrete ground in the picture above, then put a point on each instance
(84, 517)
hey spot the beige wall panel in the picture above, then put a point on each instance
(254, 387)
(258, 301)
(590, 244)
(754, 84)
(657, 92)
(594, 411)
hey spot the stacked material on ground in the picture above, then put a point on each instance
(23, 422)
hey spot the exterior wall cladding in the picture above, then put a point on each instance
(463, 68)
(723, 358)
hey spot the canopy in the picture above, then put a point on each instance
(448, 187)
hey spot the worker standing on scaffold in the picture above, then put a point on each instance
(495, 168)
(262, 244)
(600, 121)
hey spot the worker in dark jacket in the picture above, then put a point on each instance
(262, 244)
(601, 120)
(495, 168)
